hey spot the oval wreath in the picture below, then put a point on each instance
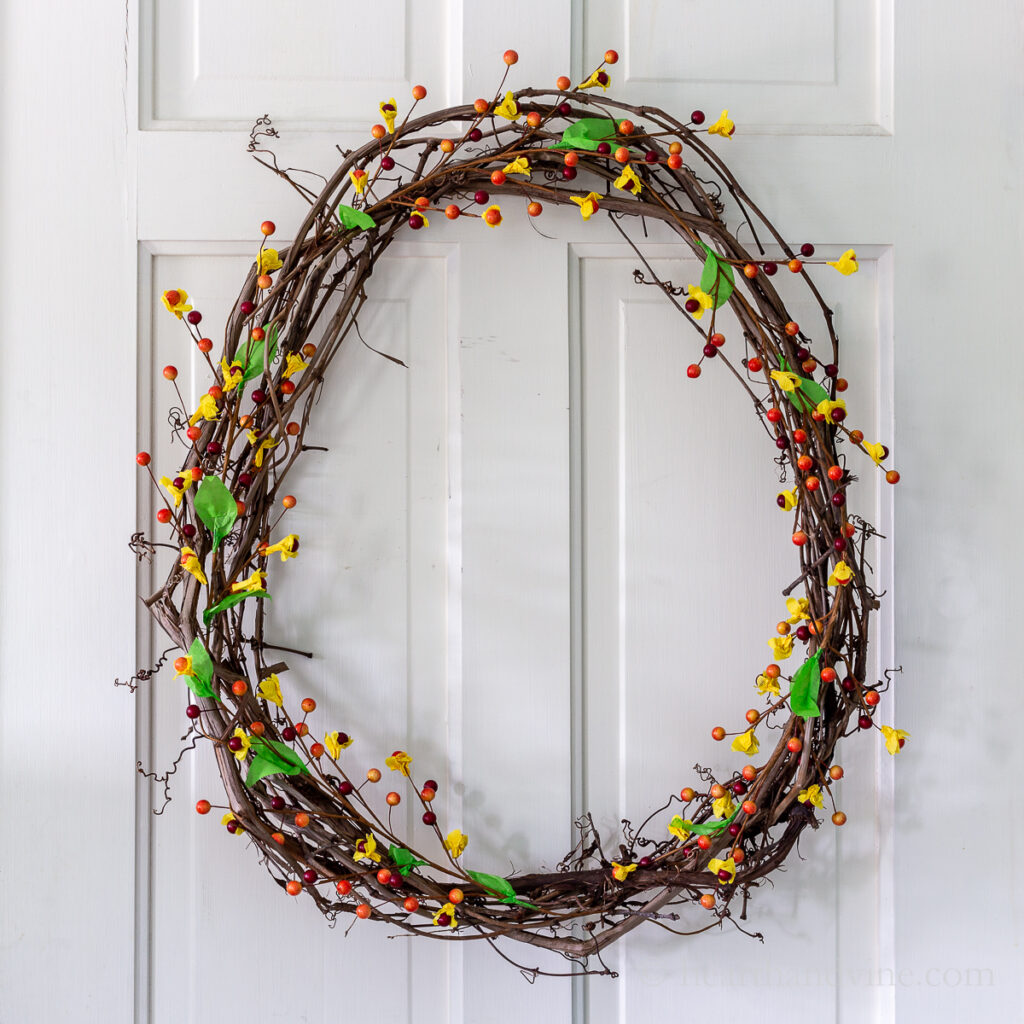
(310, 812)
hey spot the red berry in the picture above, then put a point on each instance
(294, 887)
(143, 458)
(344, 887)
(774, 415)
(510, 57)
(611, 57)
(754, 364)
(693, 371)
(497, 177)
(268, 227)
(204, 345)
(203, 807)
(171, 372)
(163, 515)
(411, 904)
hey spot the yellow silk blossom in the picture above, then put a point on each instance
(677, 827)
(811, 795)
(287, 548)
(841, 574)
(293, 364)
(366, 849)
(358, 180)
(268, 260)
(825, 407)
(798, 608)
(876, 451)
(232, 374)
(399, 761)
(244, 748)
(745, 743)
(715, 865)
(255, 582)
(334, 745)
(230, 817)
(264, 446)
(629, 181)
(789, 500)
(449, 910)
(187, 670)
(765, 684)
(389, 115)
(456, 842)
(270, 689)
(190, 563)
(620, 872)
(893, 737)
(587, 204)
(207, 410)
(493, 206)
(595, 79)
(518, 166)
(782, 647)
(723, 126)
(786, 379)
(705, 300)
(177, 492)
(507, 108)
(179, 307)
(723, 806)
(846, 264)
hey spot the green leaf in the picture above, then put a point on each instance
(707, 828)
(500, 886)
(201, 684)
(354, 218)
(403, 859)
(230, 601)
(273, 758)
(216, 508)
(717, 275)
(588, 133)
(803, 692)
(250, 355)
(810, 392)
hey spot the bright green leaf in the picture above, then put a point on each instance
(588, 133)
(803, 692)
(355, 218)
(500, 886)
(717, 280)
(707, 828)
(230, 601)
(273, 758)
(403, 859)
(250, 355)
(201, 683)
(216, 508)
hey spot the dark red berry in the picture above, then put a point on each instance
(849, 685)
(246, 307)
(831, 370)
(245, 479)
(277, 803)
(568, 173)
(481, 197)
(734, 830)
(288, 734)
(387, 164)
(838, 498)
(724, 875)
(429, 818)
(475, 135)
(802, 633)
(234, 743)
(604, 148)
(259, 396)
(192, 711)
(194, 317)
(807, 249)
(189, 530)
(864, 721)
(691, 305)
(644, 862)
(213, 448)
(839, 544)
(430, 784)
(345, 787)
(415, 222)
(697, 117)
(802, 353)
(782, 442)
(770, 268)
(838, 415)
(309, 876)
(651, 157)
(739, 788)
(710, 350)
(564, 109)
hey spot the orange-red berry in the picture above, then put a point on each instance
(419, 92)
(294, 887)
(202, 806)
(268, 227)
(510, 57)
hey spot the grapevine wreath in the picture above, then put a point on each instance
(299, 797)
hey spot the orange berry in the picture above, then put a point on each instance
(737, 855)
(749, 807)
(795, 745)
(773, 671)
(828, 675)
(308, 705)
(288, 501)
(510, 57)
(456, 895)
(293, 429)
(842, 383)
(204, 344)
(535, 209)
(143, 458)
(675, 161)
(533, 119)
(202, 806)
(301, 819)
(626, 127)
(856, 436)
(795, 266)
(163, 515)
(563, 82)
(718, 733)
(393, 799)
(344, 887)
(301, 728)
(264, 281)
(294, 887)
(245, 422)
(750, 270)
(411, 904)
(571, 159)
(812, 483)
(419, 92)
(427, 795)
(452, 212)
(707, 901)
(180, 664)
(378, 131)
(373, 774)
(363, 911)
(287, 387)
(257, 728)
(447, 146)
(892, 477)
(749, 772)
(835, 773)
(792, 329)
(278, 838)
(238, 687)
(611, 57)
(384, 876)
(497, 177)
(422, 203)
(258, 334)
(783, 628)
(173, 296)
(809, 365)
(686, 795)
(317, 749)
(492, 216)
(717, 791)
(268, 227)
(622, 155)
(871, 698)
(835, 473)
(805, 462)
(839, 818)
(799, 538)
(170, 372)
(215, 392)
(703, 842)
(753, 715)
(481, 106)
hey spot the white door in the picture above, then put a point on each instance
(541, 559)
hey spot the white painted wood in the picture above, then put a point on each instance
(511, 549)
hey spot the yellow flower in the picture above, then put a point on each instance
(366, 849)
(180, 303)
(518, 166)
(230, 817)
(782, 647)
(399, 761)
(876, 451)
(786, 379)
(190, 563)
(765, 684)
(841, 574)
(811, 795)
(789, 500)
(287, 548)
(447, 912)
(456, 842)
(894, 738)
(187, 670)
(723, 806)
(705, 300)
(264, 446)
(268, 260)
(715, 865)
(599, 77)
(798, 608)
(846, 264)
(620, 872)
(334, 744)
(629, 181)
(244, 748)
(825, 407)
(207, 410)
(677, 826)
(389, 111)
(255, 582)
(746, 743)
(358, 178)
(270, 689)
(232, 374)
(493, 206)
(176, 492)
(587, 204)
(507, 108)
(293, 364)
(723, 126)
